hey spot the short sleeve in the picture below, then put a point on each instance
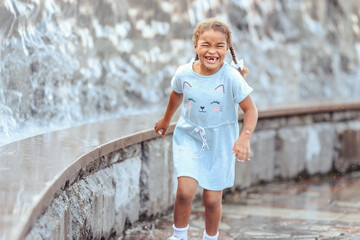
(176, 83)
(240, 89)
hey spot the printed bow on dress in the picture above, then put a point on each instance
(202, 133)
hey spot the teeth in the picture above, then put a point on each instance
(212, 58)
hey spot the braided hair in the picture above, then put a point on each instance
(217, 25)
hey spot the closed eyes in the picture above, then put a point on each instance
(217, 102)
(191, 99)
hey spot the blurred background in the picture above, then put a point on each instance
(66, 63)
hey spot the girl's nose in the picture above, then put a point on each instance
(202, 108)
(212, 50)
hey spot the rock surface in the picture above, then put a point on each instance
(68, 62)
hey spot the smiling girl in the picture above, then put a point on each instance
(206, 139)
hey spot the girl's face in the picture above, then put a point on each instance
(211, 48)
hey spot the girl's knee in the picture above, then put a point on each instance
(212, 203)
(186, 189)
(184, 196)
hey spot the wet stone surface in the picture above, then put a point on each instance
(317, 208)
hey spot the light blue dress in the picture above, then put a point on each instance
(208, 125)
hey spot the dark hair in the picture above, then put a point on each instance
(217, 25)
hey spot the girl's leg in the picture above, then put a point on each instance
(185, 194)
(213, 211)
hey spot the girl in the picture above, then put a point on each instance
(206, 136)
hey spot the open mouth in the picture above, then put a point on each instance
(211, 59)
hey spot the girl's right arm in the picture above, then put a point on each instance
(174, 102)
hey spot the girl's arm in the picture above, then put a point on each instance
(163, 124)
(242, 145)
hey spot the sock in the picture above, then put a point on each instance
(181, 232)
(207, 237)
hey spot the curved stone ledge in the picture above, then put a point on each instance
(80, 182)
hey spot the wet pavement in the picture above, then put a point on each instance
(317, 208)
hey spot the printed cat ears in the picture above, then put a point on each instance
(220, 88)
(186, 85)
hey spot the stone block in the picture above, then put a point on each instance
(35, 233)
(347, 143)
(158, 181)
(242, 175)
(262, 164)
(106, 211)
(127, 192)
(319, 148)
(300, 120)
(263, 156)
(290, 158)
(95, 210)
(321, 117)
(52, 225)
(67, 221)
(81, 204)
(122, 154)
(346, 116)
(273, 123)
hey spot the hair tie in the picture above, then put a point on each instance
(240, 64)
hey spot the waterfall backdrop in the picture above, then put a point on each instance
(67, 62)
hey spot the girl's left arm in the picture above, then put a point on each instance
(242, 145)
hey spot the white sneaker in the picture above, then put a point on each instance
(175, 238)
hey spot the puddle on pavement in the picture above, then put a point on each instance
(316, 208)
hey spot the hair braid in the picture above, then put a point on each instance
(233, 55)
(243, 72)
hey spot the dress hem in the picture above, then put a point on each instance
(203, 186)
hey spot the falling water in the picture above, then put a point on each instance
(65, 63)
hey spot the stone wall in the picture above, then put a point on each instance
(288, 148)
(138, 182)
(111, 193)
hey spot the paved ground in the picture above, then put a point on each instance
(320, 208)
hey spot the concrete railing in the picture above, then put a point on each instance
(113, 183)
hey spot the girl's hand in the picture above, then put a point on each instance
(162, 126)
(241, 148)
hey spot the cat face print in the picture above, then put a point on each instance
(204, 104)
